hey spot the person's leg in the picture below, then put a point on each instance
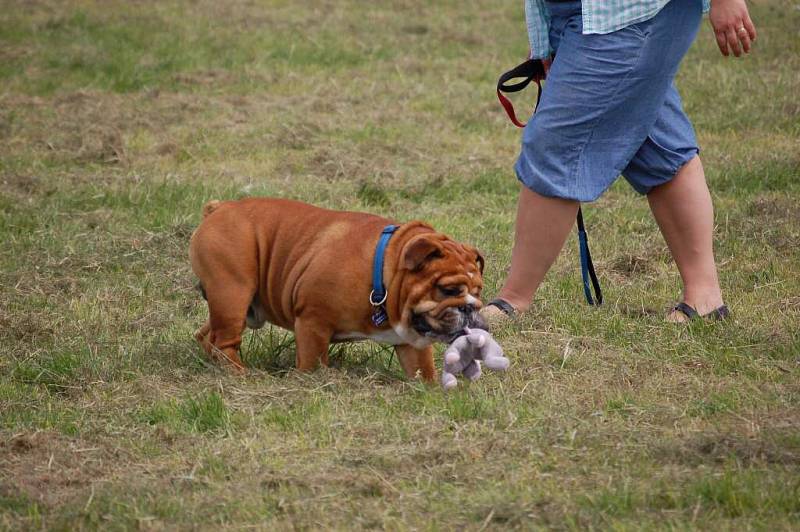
(602, 97)
(541, 228)
(682, 207)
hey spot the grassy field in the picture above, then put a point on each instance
(118, 120)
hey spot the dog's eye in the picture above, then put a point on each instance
(451, 291)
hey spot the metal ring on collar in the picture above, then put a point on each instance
(379, 303)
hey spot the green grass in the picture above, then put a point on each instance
(119, 120)
(204, 413)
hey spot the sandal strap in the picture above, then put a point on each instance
(717, 314)
(687, 310)
(721, 313)
(504, 306)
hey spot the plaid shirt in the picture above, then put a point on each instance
(599, 16)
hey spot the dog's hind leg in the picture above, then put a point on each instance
(201, 335)
(227, 308)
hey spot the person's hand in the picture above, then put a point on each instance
(547, 63)
(733, 28)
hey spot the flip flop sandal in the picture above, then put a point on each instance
(504, 307)
(691, 314)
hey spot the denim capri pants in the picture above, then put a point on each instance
(610, 106)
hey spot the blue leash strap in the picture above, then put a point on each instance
(377, 297)
(587, 267)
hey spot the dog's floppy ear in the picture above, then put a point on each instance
(419, 250)
(480, 260)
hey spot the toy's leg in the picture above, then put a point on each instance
(473, 370)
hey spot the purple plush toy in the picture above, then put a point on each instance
(465, 354)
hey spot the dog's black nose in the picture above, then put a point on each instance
(475, 320)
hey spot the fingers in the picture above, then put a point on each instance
(733, 28)
(744, 37)
(736, 40)
(722, 42)
(749, 26)
(733, 42)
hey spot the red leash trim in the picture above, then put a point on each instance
(530, 70)
(509, 107)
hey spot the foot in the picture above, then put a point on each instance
(228, 360)
(498, 312)
(683, 312)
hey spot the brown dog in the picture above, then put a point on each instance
(309, 270)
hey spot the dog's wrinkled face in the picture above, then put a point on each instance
(446, 287)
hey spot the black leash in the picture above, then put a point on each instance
(587, 266)
(530, 70)
(533, 70)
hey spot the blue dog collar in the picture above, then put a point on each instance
(377, 298)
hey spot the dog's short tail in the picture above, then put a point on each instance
(210, 207)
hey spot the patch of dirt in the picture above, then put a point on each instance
(769, 446)
(467, 39)
(790, 303)
(101, 143)
(334, 166)
(641, 312)
(94, 127)
(168, 148)
(21, 326)
(10, 53)
(202, 77)
(774, 207)
(22, 186)
(51, 468)
(773, 218)
(297, 136)
(629, 265)
(415, 29)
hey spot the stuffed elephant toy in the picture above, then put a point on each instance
(465, 354)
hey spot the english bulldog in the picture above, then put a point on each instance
(314, 271)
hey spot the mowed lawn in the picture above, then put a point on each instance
(119, 120)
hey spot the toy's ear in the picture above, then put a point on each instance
(458, 345)
(419, 251)
(475, 337)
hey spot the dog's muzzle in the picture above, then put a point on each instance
(450, 324)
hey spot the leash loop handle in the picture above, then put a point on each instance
(530, 70)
